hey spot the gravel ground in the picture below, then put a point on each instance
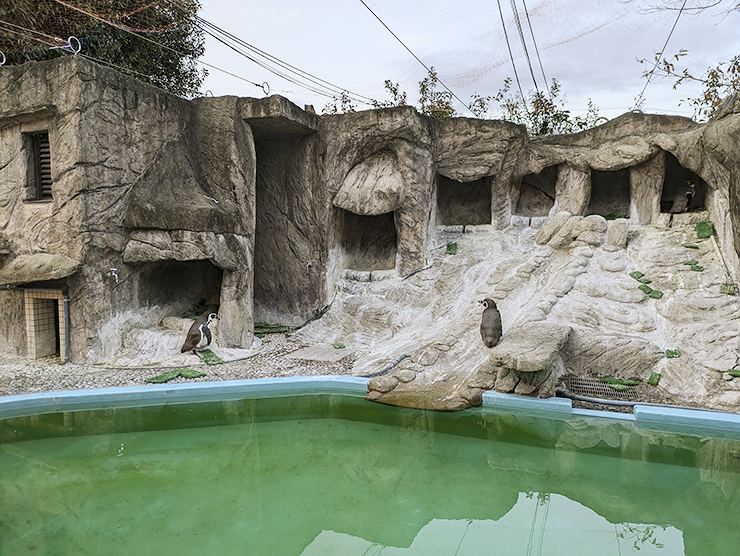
(23, 376)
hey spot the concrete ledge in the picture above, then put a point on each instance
(141, 396)
(554, 408)
(687, 421)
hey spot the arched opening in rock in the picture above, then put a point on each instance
(179, 286)
(610, 194)
(675, 188)
(367, 242)
(463, 203)
(537, 193)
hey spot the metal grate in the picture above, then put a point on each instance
(591, 387)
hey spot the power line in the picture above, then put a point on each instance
(511, 56)
(524, 43)
(537, 50)
(640, 98)
(414, 55)
(315, 84)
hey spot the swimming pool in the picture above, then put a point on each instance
(311, 468)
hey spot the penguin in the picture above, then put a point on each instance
(490, 325)
(683, 198)
(199, 335)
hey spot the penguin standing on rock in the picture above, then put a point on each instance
(490, 325)
(199, 335)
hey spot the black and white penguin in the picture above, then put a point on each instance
(490, 324)
(683, 198)
(199, 335)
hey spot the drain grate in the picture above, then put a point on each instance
(592, 388)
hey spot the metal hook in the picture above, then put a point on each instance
(70, 47)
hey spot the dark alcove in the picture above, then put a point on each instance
(675, 188)
(368, 242)
(610, 194)
(537, 193)
(463, 203)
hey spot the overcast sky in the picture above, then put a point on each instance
(592, 47)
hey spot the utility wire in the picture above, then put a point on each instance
(640, 98)
(511, 56)
(524, 43)
(537, 50)
(318, 85)
(414, 55)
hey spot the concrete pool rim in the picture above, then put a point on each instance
(649, 417)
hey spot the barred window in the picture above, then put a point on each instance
(39, 166)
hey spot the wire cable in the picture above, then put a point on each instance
(640, 98)
(414, 55)
(536, 50)
(511, 57)
(518, 22)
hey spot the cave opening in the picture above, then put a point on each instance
(463, 203)
(367, 242)
(678, 195)
(537, 193)
(179, 287)
(610, 194)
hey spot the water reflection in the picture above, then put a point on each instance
(539, 524)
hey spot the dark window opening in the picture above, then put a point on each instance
(610, 194)
(537, 193)
(368, 242)
(463, 203)
(39, 166)
(678, 194)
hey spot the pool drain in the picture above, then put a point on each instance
(593, 388)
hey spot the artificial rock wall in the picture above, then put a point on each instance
(159, 202)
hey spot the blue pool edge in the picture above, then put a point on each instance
(648, 417)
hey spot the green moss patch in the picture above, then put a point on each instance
(636, 274)
(262, 329)
(451, 249)
(672, 353)
(690, 263)
(654, 379)
(697, 268)
(704, 230)
(208, 357)
(728, 288)
(613, 381)
(734, 372)
(690, 246)
(339, 345)
(619, 387)
(656, 294)
(171, 375)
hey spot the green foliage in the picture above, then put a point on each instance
(543, 114)
(451, 249)
(208, 357)
(704, 230)
(171, 375)
(340, 105)
(398, 98)
(647, 289)
(164, 377)
(728, 288)
(672, 353)
(159, 42)
(433, 102)
(619, 387)
(734, 372)
(718, 82)
(191, 373)
(262, 329)
(654, 379)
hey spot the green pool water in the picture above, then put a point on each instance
(333, 475)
